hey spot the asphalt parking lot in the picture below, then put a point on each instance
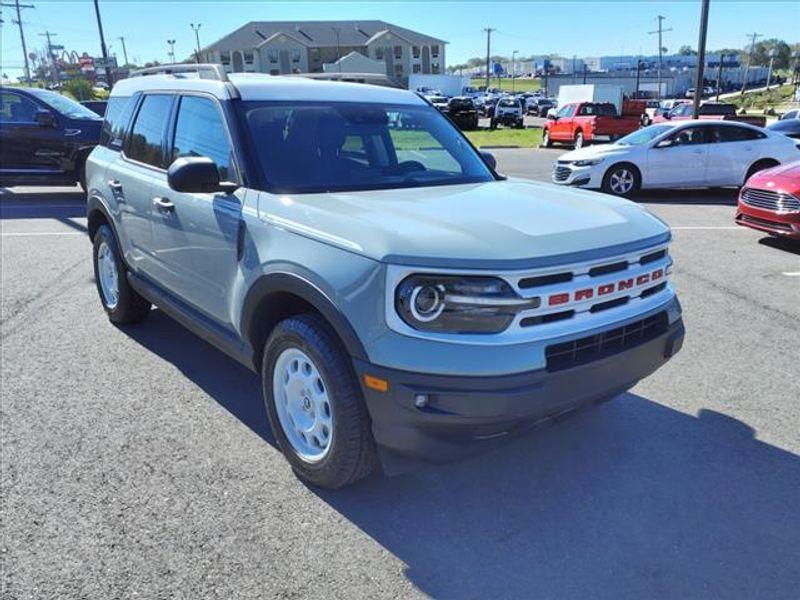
(137, 461)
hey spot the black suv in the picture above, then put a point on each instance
(44, 137)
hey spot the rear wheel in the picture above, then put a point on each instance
(622, 180)
(121, 302)
(546, 141)
(315, 405)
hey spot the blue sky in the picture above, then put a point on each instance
(567, 28)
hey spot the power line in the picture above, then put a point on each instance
(660, 31)
(488, 31)
(18, 21)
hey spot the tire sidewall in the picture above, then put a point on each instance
(104, 234)
(637, 181)
(579, 140)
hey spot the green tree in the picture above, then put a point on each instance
(783, 53)
(686, 51)
(80, 89)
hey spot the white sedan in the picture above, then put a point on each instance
(686, 154)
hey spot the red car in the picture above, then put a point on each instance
(770, 201)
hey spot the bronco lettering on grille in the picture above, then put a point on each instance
(605, 289)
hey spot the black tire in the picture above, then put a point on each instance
(760, 165)
(546, 141)
(579, 141)
(609, 186)
(352, 455)
(82, 174)
(492, 124)
(130, 306)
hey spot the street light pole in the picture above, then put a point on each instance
(701, 58)
(772, 54)
(103, 48)
(638, 75)
(171, 52)
(124, 50)
(488, 31)
(514, 71)
(196, 30)
(339, 52)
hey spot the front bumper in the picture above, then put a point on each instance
(586, 177)
(775, 223)
(462, 415)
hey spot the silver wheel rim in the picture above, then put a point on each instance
(579, 141)
(109, 278)
(303, 406)
(621, 181)
(546, 138)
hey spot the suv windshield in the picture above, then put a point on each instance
(643, 136)
(306, 148)
(67, 107)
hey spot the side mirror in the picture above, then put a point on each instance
(551, 115)
(45, 118)
(664, 144)
(197, 175)
(668, 114)
(490, 160)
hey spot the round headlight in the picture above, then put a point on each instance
(427, 302)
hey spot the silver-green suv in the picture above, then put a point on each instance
(399, 298)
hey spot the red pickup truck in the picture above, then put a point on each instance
(709, 110)
(581, 123)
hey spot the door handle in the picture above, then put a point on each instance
(114, 184)
(163, 204)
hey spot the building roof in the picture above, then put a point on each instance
(355, 62)
(315, 33)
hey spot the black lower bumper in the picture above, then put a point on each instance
(441, 418)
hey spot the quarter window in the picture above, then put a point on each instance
(16, 109)
(200, 131)
(117, 117)
(732, 133)
(147, 136)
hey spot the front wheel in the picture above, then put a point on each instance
(315, 405)
(121, 302)
(621, 180)
(546, 141)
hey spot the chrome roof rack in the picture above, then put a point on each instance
(201, 70)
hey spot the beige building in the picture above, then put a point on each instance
(306, 46)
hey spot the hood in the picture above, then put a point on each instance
(500, 224)
(783, 178)
(599, 151)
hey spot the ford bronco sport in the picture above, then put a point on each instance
(400, 299)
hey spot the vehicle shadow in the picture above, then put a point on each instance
(630, 499)
(62, 206)
(787, 245)
(713, 197)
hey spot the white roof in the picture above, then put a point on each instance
(259, 86)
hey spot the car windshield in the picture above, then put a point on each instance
(643, 136)
(309, 147)
(64, 105)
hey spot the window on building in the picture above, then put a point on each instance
(200, 131)
(415, 51)
(379, 53)
(435, 51)
(248, 57)
(274, 72)
(435, 68)
(416, 68)
(295, 54)
(398, 52)
(314, 54)
(272, 53)
(147, 135)
(398, 70)
(225, 57)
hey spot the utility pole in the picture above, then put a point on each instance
(514, 71)
(753, 38)
(103, 48)
(719, 74)
(488, 31)
(638, 75)
(171, 52)
(18, 21)
(772, 54)
(53, 64)
(660, 31)
(701, 58)
(124, 50)
(196, 30)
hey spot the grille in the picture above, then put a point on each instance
(595, 347)
(770, 200)
(561, 173)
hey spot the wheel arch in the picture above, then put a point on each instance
(277, 296)
(97, 215)
(764, 162)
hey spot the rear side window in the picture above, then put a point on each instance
(200, 131)
(147, 135)
(732, 133)
(117, 117)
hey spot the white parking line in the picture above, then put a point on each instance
(797, 274)
(703, 227)
(34, 233)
